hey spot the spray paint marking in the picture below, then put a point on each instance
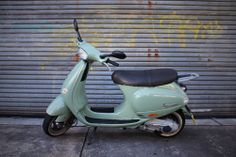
(177, 29)
(149, 4)
(153, 53)
(42, 66)
(149, 53)
(156, 53)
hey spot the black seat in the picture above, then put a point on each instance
(145, 78)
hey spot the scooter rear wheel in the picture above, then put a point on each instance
(177, 117)
(53, 128)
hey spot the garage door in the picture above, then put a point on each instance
(38, 45)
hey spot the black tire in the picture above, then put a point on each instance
(179, 115)
(53, 128)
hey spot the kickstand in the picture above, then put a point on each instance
(91, 136)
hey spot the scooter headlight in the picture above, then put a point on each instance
(83, 55)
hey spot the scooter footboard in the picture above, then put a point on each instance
(58, 108)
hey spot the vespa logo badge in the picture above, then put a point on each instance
(64, 91)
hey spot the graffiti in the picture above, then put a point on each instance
(71, 44)
(156, 54)
(173, 26)
(152, 53)
(150, 4)
(149, 53)
(42, 66)
(199, 29)
(155, 30)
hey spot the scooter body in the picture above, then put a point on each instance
(141, 104)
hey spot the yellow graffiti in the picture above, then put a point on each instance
(200, 29)
(72, 40)
(177, 29)
(42, 66)
(134, 32)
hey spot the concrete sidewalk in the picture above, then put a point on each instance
(39, 121)
(25, 137)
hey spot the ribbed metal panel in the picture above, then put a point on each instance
(37, 45)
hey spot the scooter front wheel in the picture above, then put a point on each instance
(53, 128)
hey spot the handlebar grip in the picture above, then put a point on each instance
(112, 62)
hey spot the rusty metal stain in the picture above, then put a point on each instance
(150, 4)
(76, 57)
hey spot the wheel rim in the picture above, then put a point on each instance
(177, 118)
(57, 128)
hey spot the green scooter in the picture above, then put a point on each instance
(154, 100)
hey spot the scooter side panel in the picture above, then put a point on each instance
(160, 100)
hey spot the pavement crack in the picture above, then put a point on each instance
(84, 142)
(217, 121)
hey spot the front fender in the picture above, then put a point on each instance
(58, 108)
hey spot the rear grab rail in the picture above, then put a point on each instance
(183, 77)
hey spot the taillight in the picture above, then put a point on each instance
(183, 87)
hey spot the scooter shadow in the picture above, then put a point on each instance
(117, 134)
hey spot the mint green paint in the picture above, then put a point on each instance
(161, 99)
(93, 53)
(58, 108)
(137, 104)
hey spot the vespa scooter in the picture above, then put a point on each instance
(154, 100)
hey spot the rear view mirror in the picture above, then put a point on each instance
(118, 54)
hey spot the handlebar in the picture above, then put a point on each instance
(77, 30)
(112, 62)
(116, 54)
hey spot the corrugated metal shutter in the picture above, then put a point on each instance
(37, 45)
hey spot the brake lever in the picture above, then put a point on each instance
(104, 63)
